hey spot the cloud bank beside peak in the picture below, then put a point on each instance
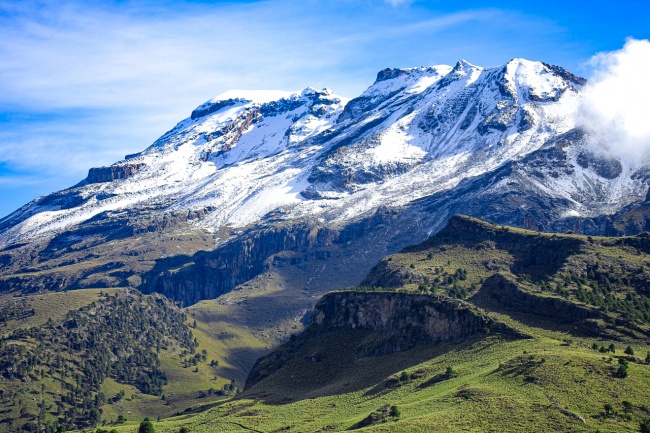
(616, 101)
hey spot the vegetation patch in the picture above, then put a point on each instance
(118, 336)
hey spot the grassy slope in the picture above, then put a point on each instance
(493, 391)
(504, 250)
(228, 341)
(234, 330)
(138, 252)
(45, 306)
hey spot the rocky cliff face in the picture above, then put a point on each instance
(406, 320)
(397, 321)
(207, 275)
(114, 172)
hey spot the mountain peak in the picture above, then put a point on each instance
(392, 73)
(256, 96)
(522, 61)
(308, 91)
(463, 65)
(233, 97)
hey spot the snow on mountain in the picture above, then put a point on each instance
(245, 155)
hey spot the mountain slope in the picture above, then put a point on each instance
(423, 142)
(583, 286)
(537, 385)
(69, 360)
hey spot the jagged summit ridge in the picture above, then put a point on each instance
(440, 123)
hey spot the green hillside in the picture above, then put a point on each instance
(608, 274)
(548, 383)
(103, 356)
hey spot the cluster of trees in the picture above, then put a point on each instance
(145, 427)
(453, 284)
(607, 289)
(623, 366)
(603, 349)
(15, 310)
(118, 337)
(623, 361)
(198, 357)
(601, 288)
(611, 412)
(231, 388)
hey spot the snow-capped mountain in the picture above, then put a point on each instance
(418, 145)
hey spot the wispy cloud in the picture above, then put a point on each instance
(71, 141)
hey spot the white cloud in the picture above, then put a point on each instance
(616, 102)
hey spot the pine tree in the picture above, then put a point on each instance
(146, 426)
(609, 409)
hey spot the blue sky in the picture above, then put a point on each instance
(82, 83)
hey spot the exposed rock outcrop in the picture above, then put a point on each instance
(111, 173)
(206, 275)
(407, 320)
(566, 74)
(609, 168)
(212, 107)
(397, 321)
